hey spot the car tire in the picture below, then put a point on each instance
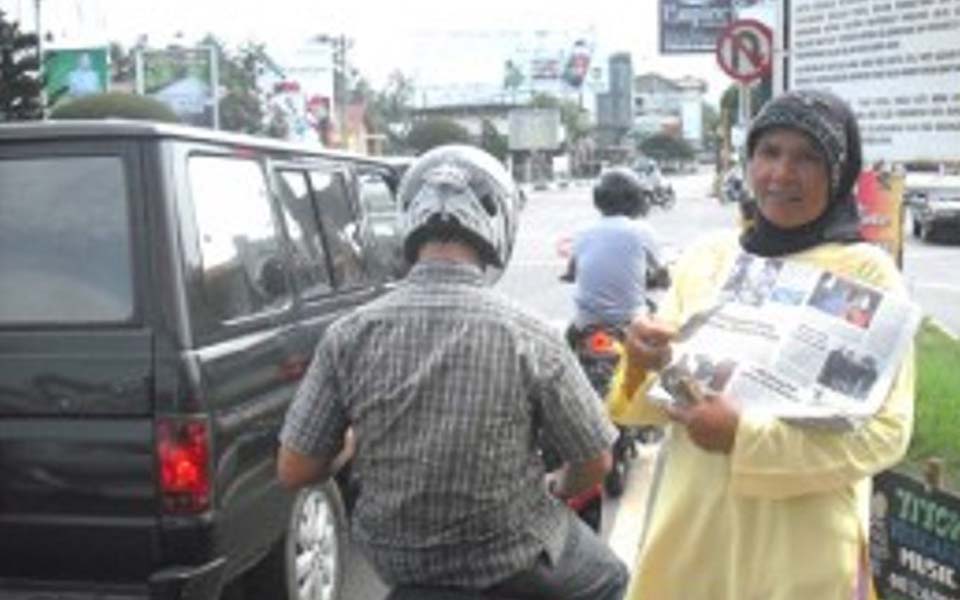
(316, 538)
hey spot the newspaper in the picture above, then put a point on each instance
(795, 342)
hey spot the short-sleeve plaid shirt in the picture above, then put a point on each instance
(446, 384)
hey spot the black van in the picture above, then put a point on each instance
(161, 292)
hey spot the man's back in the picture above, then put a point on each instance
(441, 381)
(611, 270)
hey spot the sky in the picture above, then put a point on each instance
(386, 35)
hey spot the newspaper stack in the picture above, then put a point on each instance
(795, 342)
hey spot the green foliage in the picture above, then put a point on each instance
(493, 142)
(430, 133)
(20, 83)
(936, 419)
(240, 106)
(388, 110)
(663, 147)
(118, 105)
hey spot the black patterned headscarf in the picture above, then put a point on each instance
(832, 126)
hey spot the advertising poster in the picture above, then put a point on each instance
(74, 73)
(914, 539)
(691, 26)
(183, 79)
(880, 200)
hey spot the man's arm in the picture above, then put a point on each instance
(295, 469)
(573, 478)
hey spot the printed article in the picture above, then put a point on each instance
(795, 342)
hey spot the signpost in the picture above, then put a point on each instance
(745, 53)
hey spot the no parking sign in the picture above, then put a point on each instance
(745, 50)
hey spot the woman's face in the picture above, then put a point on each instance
(789, 178)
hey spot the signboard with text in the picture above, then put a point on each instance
(689, 26)
(914, 540)
(897, 63)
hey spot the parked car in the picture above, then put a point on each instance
(162, 289)
(933, 203)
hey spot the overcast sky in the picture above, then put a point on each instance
(384, 33)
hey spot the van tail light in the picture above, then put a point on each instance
(183, 453)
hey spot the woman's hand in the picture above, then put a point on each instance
(647, 342)
(711, 419)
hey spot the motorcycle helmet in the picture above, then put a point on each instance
(463, 192)
(619, 191)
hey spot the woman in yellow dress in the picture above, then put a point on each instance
(749, 507)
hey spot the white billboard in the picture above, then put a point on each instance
(534, 129)
(897, 63)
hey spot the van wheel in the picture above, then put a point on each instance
(308, 563)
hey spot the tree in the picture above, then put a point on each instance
(710, 125)
(241, 106)
(493, 141)
(663, 147)
(430, 133)
(118, 105)
(20, 84)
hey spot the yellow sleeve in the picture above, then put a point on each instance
(772, 459)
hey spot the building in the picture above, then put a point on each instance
(671, 106)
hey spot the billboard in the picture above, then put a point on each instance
(182, 78)
(75, 72)
(691, 26)
(534, 129)
(899, 70)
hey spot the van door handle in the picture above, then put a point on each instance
(293, 367)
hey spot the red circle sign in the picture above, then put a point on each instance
(745, 50)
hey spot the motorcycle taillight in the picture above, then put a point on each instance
(601, 342)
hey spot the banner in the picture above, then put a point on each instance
(880, 201)
(182, 78)
(75, 72)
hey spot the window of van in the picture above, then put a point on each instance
(243, 263)
(341, 228)
(310, 256)
(65, 243)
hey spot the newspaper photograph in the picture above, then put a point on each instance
(795, 342)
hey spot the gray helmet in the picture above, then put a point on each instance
(463, 188)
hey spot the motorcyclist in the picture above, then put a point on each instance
(448, 387)
(614, 258)
(612, 263)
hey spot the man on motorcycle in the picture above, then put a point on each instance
(448, 388)
(612, 263)
(614, 258)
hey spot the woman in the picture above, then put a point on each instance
(750, 507)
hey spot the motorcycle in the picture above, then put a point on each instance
(598, 349)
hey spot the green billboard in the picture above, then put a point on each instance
(75, 72)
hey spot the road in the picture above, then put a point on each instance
(532, 279)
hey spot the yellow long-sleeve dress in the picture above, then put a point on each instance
(785, 515)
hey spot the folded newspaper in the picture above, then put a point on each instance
(795, 342)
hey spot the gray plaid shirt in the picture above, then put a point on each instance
(445, 383)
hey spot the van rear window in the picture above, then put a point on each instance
(64, 241)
